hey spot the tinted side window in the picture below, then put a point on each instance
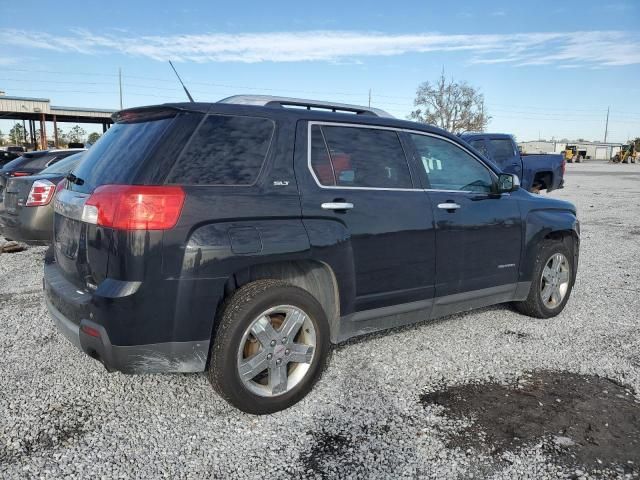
(480, 146)
(502, 150)
(225, 150)
(320, 160)
(449, 167)
(360, 157)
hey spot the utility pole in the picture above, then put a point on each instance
(606, 127)
(369, 98)
(120, 82)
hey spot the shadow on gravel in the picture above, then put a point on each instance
(579, 419)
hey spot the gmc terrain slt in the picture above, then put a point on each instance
(243, 237)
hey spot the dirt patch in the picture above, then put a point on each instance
(519, 335)
(581, 420)
(59, 425)
(12, 247)
(326, 447)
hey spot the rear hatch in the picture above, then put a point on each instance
(15, 194)
(138, 150)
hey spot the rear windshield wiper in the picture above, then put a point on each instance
(73, 179)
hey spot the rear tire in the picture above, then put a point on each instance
(580, 159)
(258, 373)
(541, 302)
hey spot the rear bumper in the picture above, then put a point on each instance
(33, 225)
(70, 310)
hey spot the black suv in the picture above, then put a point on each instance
(243, 237)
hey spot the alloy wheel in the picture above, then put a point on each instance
(276, 351)
(554, 284)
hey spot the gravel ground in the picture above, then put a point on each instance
(62, 414)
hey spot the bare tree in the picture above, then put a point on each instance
(76, 134)
(453, 106)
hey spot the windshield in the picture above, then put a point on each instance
(65, 165)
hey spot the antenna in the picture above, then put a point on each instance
(181, 83)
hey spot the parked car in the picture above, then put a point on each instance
(6, 156)
(243, 237)
(27, 215)
(15, 149)
(30, 163)
(536, 171)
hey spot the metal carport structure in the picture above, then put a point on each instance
(40, 110)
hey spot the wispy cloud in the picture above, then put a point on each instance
(499, 13)
(595, 48)
(4, 60)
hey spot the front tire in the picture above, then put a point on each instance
(553, 279)
(270, 347)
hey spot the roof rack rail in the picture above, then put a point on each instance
(283, 102)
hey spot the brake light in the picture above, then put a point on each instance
(41, 193)
(134, 207)
(20, 174)
(90, 331)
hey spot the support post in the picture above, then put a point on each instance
(32, 132)
(43, 132)
(55, 131)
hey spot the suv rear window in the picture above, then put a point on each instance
(118, 156)
(226, 150)
(358, 157)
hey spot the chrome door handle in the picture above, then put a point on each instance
(337, 206)
(448, 206)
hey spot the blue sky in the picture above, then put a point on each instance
(546, 68)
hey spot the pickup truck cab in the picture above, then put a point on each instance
(243, 237)
(536, 171)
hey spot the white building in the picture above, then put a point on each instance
(595, 150)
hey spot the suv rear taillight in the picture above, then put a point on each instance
(134, 207)
(19, 174)
(41, 193)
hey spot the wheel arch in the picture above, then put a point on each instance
(541, 225)
(544, 178)
(316, 277)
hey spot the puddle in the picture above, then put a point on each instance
(580, 419)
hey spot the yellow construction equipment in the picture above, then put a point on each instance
(627, 154)
(573, 154)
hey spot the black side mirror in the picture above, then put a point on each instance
(507, 182)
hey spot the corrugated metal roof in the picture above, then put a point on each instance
(80, 109)
(28, 99)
